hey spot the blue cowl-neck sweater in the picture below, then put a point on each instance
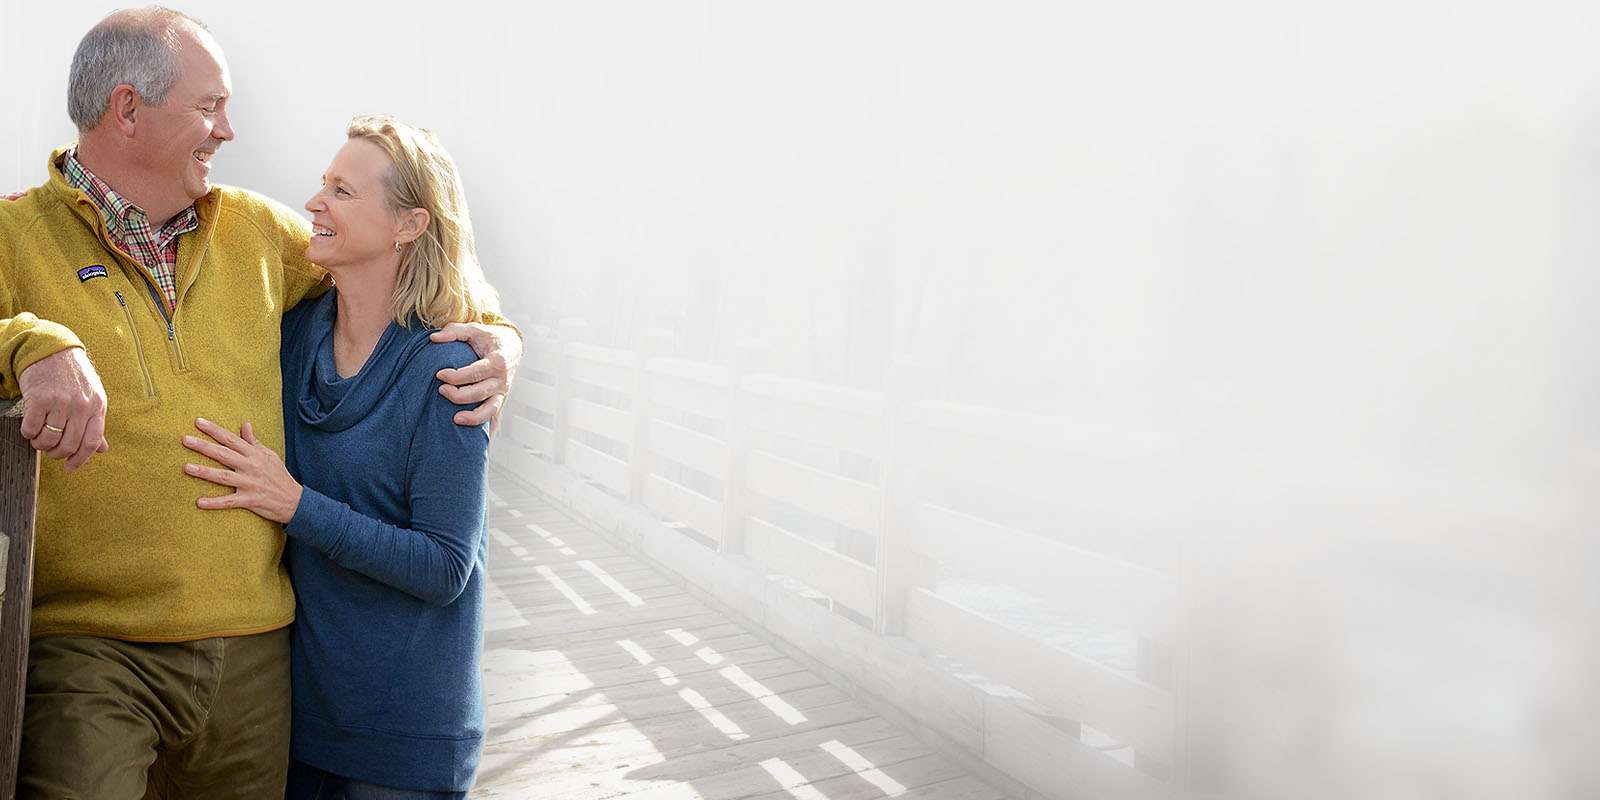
(386, 550)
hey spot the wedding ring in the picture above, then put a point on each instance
(49, 427)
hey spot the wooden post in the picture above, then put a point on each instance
(749, 357)
(1256, 671)
(653, 342)
(900, 567)
(568, 330)
(1155, 663)
(19, 482)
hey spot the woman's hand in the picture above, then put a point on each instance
(260, 481)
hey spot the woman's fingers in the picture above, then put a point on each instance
(226, 437)
(214, 451)
(225, 501)
(224, 477)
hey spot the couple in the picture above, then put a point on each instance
(160, 664)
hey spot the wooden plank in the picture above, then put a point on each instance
(608, 471)
(667, 758)
(19, 481)
(573, 703)
(920, 777)
(824, 494)
(510, 678)
(1068, 684)
(603, 420)
(596, 354)
(794, 769)
(1103, 589)
(531, 637)
(849, 582)
(1022, 428)
(714, 376)
(667, 708)
(535, 395)
(535, 594)
(1112, 473)
(590, 660)
(532, 435)
(597, 624)
(692, 448)
(583, 657)
(544, 356)
(681, 504)
(701, 399)
(611, 369)
(859, 402)
(525, 586)
(1054, 763)
(842, 428)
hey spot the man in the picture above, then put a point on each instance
(159, 648)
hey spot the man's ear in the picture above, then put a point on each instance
(413, 223)
(123, 110)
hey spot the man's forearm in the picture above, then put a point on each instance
(26, 340)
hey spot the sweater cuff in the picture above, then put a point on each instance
(42, 339)
(316, 519)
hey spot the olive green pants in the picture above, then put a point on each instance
(113, 720)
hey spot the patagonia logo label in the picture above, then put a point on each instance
(94, 271)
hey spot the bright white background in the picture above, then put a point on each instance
(1352, 243)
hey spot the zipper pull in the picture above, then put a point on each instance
(120, 301)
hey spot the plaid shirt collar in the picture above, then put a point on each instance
(125, 221)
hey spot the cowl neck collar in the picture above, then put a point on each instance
(330, 403)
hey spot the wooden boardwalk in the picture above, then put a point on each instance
(606, 679)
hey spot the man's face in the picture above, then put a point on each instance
(179, 136)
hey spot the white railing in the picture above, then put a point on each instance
(863, 499)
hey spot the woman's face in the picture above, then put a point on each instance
(350, 218)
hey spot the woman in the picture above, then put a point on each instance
(382, 495)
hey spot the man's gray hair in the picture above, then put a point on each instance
(136, 46)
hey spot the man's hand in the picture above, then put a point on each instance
(64, 407)
(14, 195)
(487, 380)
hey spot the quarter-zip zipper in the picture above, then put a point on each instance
(149, 282)
(138, 347)
(172, 330)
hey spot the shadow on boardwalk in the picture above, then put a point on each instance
(605, 679)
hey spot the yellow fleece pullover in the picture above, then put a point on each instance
(121, 549)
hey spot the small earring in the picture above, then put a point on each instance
(397, 247)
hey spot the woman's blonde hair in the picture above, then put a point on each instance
(440, 281)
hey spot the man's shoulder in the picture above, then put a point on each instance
(261, 210)
(29, 209)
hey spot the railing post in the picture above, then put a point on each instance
(1155, 663)
(19, 481)
(749, 357)
(653, 342)
(1257, 685)
(568, 330)
(900, 567)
